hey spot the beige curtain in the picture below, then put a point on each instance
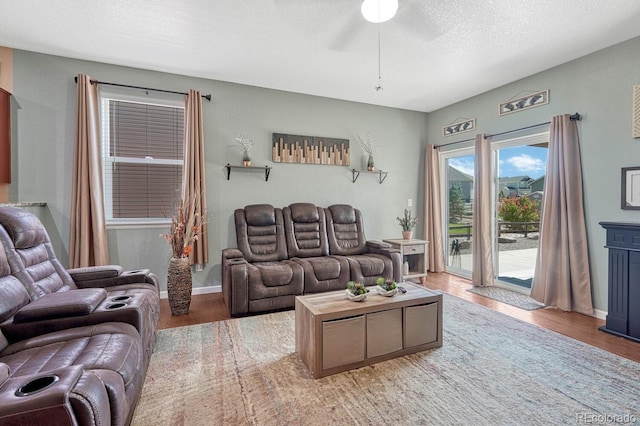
(88, 233)
(433, 210)
(562, 276)
(482, 241)
(193, 177)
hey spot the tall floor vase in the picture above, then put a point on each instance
(179, 285)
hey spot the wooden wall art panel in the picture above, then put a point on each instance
(310, 150)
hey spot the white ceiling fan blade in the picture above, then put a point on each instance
(416, 22)
(352, 35)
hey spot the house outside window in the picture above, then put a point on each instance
(142, 151)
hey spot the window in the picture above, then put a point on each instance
(142, 147)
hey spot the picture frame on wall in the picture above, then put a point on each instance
(466, 125)
(630, 188)
(532, 100)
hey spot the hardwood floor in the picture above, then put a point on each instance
(210, 307)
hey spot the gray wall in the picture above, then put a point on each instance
(43, 133)
(599, 87)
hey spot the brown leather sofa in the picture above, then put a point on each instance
(84, 335)
(300, 249)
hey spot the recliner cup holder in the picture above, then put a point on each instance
(37, 385)
(120, 298)
(116, 305)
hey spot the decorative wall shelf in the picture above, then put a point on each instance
(266, 169)
(356, 173)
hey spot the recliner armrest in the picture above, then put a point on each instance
(92, 273)
(110, 275)
(47, 398)
(385, 249)
(378, 244)
(64, 304)
(231, 253)
(235, 281)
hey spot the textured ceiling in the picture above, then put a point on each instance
(433, 53)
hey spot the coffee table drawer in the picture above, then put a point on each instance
(343, 341)
(384, 332)
(421, 324)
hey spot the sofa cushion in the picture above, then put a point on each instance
(260, 233)
(324, 273)
(304, 212)
(30, 254)
(273, 280)
(306, 230)
(13, 295)
(367, 268)
(275, 274)
(345, 230)
(23, 227)
(260, 215)
(343, 214)
(109, 346)
(370, 265)
(4, 373)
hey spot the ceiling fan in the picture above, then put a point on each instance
(340, 25)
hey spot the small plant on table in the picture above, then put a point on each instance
(356, 291)
(386, 287)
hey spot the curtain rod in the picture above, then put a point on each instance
(207, 97)
(573, 117)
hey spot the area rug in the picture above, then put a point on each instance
(512, 298)
(491, 370)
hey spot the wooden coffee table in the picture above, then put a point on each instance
(334, 334)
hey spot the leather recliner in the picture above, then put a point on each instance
(91, 375)
(59, 299)
(258, 276)
(368, 260)
(306, 233)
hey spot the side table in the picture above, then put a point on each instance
(415, 253)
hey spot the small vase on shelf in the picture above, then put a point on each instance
(406, 235)
(246, 158)
(370, 164)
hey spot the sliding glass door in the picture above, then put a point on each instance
(519, 170)
(458, 214)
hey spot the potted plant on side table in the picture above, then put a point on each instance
(407, 222)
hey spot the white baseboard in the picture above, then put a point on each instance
(198, 290)
(600, 314)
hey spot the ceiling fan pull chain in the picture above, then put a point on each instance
(379, 86)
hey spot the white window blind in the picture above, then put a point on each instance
(142, 159)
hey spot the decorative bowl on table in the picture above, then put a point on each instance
(356, 292)
(387, 293)
(386, 288)
(356, 297)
